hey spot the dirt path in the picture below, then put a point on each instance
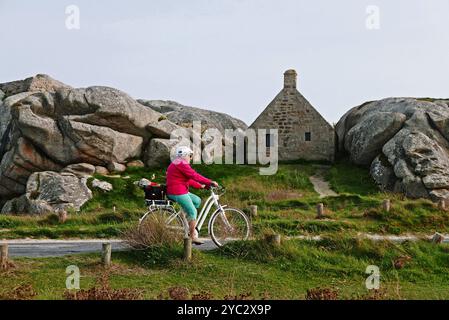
(321, 186)
(381, 237)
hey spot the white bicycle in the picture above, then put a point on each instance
(226, 224)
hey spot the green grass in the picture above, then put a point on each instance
(80, 225)
(347, 178)
(286, 201)
(255, 267)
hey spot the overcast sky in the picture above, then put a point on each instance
(230, 55)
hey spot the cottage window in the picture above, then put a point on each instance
(269, 140)
(308, 136)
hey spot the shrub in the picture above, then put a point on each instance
(150, 233)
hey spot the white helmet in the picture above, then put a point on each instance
(143, 183)
(183, 151)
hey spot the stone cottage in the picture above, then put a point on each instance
(303, 132)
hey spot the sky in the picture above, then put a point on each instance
(230, 55)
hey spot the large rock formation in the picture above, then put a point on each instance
(159, 151)
(177, 114)
(53, 137)
(184, 115)
(405, 141)
(48, 126)
(48, 192)
(38, 83)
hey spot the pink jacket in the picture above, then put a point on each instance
(181, 176)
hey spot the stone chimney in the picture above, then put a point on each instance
(290, 79)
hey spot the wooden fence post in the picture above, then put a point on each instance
(437, 238)
(320, 210)
(274, 239)
(386, 205)
(62, 216)
(442, 204)
(187, 249)
(253, 211)
(4, 256)
(106, 254)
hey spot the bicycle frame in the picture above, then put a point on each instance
(202, 216)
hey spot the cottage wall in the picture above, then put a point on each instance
(296, 120)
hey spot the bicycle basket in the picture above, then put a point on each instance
(155, 192)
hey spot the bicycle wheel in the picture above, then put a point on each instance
(164, 216)
(229, 225)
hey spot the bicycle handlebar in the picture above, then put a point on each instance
(217, 190)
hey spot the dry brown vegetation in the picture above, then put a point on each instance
(278, 195)
(21, 292)
(103, 291)
(203, 295)
(178, 293)
(152, 232)
(182, 293)
(376, 294)
(322, 294)
(400, 262)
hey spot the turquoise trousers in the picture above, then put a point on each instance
(189, 203)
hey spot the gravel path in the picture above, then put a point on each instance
(321, 186)
(57, 248)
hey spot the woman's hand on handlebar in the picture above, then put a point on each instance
(213, 184)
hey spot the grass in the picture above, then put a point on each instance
(287, 205)
(253, 269)
(286, 201)
(344, 178)
(84, 225)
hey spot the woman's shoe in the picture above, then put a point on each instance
(197, 241)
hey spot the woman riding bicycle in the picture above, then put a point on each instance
(181, 176)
